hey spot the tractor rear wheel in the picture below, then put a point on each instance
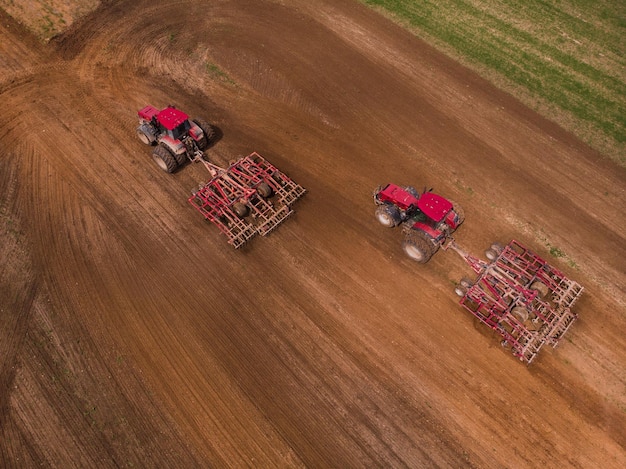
(207, 130)
(164, 158)
(388, 215)
(181, 158)
(264, 190)
(418, 246)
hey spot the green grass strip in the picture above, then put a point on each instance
(567, 55)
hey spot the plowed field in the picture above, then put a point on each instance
(132, 334)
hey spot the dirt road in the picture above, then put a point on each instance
(132, 334)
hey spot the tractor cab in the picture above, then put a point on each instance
(434, 206)
(174, 122)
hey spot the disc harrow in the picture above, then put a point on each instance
(520, 296)
(249, 197)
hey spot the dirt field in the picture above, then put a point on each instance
(131, 334)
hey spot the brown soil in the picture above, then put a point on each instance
(131, 334)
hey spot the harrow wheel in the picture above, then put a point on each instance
(418, 246)
(207, 130)
(466, 282)
(460, 290)
(264, 190)
(520, 313)
(164, 158)
(497, 247)
(388, 215)
(494, 251)
(241, 209)
(491, 254)
(540, 287)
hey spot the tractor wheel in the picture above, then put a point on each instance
(418, 246)
(264, 190)
(388, 215)
(241, 209)
(143, 133)
(208, 131)
(181, 158)
(540, 287)
(164, 158)
(459, 212)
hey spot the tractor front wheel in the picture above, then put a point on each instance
(388, 215)
(164, 158)
(144, 134)
(418, 246)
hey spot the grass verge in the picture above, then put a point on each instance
(564, 58)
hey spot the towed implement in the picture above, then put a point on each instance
(249, 197)
(520, 296)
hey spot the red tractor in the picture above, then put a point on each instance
(427, 219)
(177, 138)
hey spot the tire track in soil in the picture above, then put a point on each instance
(18, 288)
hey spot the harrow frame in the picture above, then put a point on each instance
(238, 184)
(520, 296)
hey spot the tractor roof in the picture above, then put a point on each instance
(170, 117)
(434, 206)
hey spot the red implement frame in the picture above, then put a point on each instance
(238, 184)
(507, 286)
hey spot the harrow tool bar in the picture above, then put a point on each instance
(231, 190)
(520, 296)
